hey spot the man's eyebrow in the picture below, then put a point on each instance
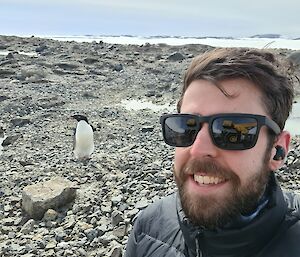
(193, 113)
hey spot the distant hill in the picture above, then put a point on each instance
(266, 36)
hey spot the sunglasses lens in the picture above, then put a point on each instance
(234, 133)
(180, 130)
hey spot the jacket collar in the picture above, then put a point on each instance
(237, 242)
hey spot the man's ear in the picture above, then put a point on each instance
(279, 150)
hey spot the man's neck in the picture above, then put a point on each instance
(244, 219)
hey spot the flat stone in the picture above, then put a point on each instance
(52, 194)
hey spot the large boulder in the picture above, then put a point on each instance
(52, 194)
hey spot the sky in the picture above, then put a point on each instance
(191, 18)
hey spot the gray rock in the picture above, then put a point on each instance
(6, 73)
(91, 233)
(107, 238)
(102, 229)
(116, 252)
(116, 217)
(176, 57)
(69, 222)
(51, 245)
(10, 140)
(141, 204)
(28, 227)
(5, 229)
(41, 48)
(82, 252)
(7, 221)
(120, 231)
(67, 66)
(116, 199)
(118, 67)
(54, 193)
(132, 213)
(3, 98)
(60, 234)
(20, 122)
(147, 129)
(90, 60)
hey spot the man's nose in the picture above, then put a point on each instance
(203, 145)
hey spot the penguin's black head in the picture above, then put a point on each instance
(79, 117)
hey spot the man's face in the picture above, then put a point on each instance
(215, 185)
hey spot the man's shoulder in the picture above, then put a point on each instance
(286, 243)
(156, 230)
(165, 206)
(159, 215)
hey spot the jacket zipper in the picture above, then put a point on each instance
(199, 253)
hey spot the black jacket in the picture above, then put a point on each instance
(161, 230)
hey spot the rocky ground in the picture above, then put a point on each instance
(130, 167)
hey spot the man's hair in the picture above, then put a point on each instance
(258, 66)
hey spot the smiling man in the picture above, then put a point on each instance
(229, 139)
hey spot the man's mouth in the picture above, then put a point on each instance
(208, 180)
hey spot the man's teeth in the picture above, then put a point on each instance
(206, 180)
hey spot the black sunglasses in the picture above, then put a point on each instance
(229, 131)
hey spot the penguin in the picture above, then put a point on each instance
(83, 138)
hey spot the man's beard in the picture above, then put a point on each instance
(212, 211)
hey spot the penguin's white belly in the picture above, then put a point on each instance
(84, 140)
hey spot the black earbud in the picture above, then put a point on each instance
(280, 153)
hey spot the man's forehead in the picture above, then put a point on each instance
(231, 87)
(205, 98)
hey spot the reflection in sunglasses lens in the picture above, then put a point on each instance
(234, 132)
(180, 130)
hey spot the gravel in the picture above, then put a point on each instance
(131, 166)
